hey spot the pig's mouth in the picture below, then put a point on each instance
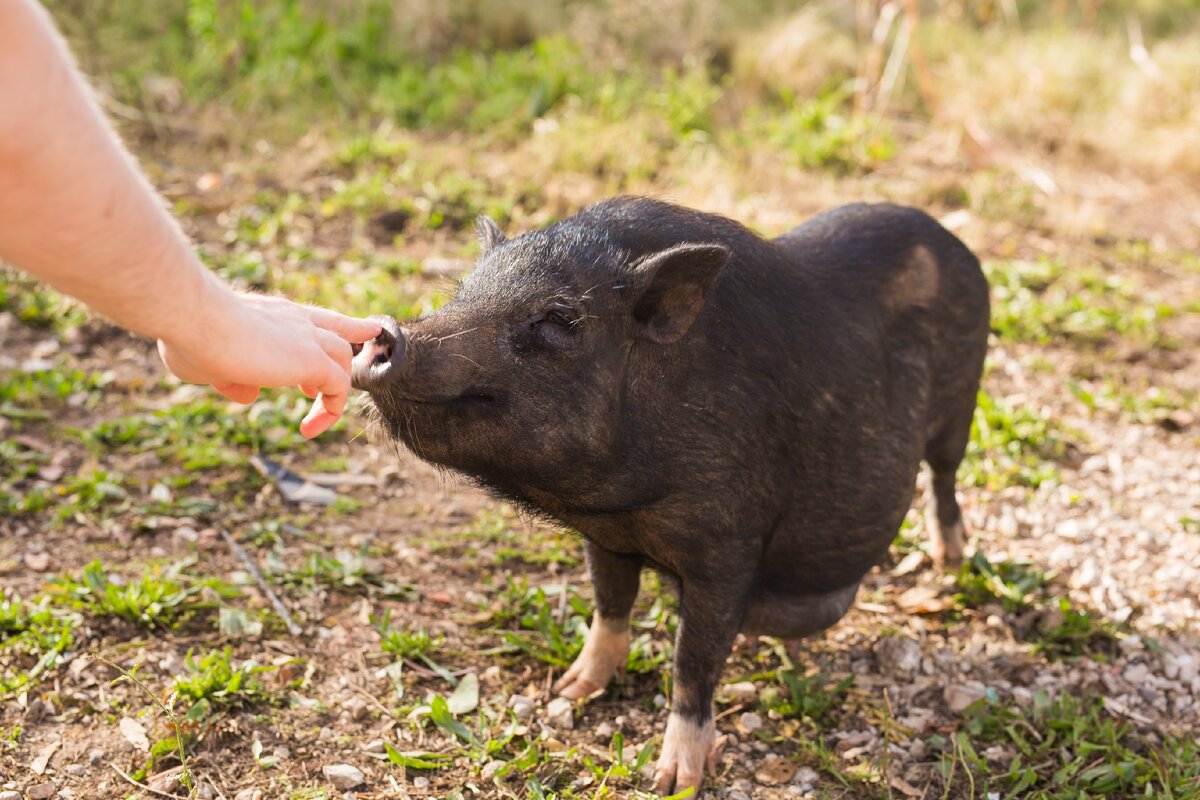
(471, 397)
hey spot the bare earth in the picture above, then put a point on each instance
(1117, 531)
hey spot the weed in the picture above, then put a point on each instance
(160, 599)
(550, 622)
(1010, 446)
(346, 570)
(810, 695)
(165, 746)
(1069, 747)
(1013, 583)
(213, 682)
(34, 636)
(1054, 627)
(404, 644)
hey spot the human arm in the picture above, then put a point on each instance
(76, 212)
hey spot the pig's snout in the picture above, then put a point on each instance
(381, 359)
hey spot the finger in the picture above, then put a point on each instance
(352, 329)
(329, 404)
(317, 421)
(336, 348)
(238, 392)
(310, 392)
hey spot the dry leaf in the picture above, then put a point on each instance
(922, 600)
(39, 764)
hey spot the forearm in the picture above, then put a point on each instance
(74, 209)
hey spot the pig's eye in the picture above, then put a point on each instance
(560, 315)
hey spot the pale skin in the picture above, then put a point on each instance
(77, 213)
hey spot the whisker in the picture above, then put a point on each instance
(460, 355)
(441, 339)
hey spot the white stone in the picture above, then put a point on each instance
(750, 721)
(560, 712)
(343, 776)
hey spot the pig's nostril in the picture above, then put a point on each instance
(382, 355)
(355, 348)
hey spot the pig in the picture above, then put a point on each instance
(746, 416)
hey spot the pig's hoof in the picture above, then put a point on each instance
(689, 750)
(946, 545)
(604, 652)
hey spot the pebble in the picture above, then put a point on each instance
(960, 695)
(420, 782)
(343, 776)
(741, 692)
(249, 794)
(806, 778)
(41, 791)
(560, 712)
(898, 655)
(750, 721)
(75, 769)
(96, 755)
(205, 791)
(522, 706)
(490, 769)
(10, 796)
(604, 731)
(375, 746)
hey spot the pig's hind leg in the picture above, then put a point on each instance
(943, 517)
(615, 579)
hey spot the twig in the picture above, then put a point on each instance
(276, 603)
(144, 787)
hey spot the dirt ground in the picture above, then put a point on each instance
(1115, 529)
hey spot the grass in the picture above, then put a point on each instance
(1011, 445)
(1068, 747)
(1045, 302)
(161, 599)
(1055, 627)
(212, 682)
(441, 113)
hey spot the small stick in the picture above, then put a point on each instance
(276, 603)
(144, 787)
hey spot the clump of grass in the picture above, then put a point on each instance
(33, 636)
(1052, 624)
(214, 682)
(1045, 301)
(1010, 446)
(1068, 747)
(807, 694)
(345, 570)
(203, 433)
(548, 625)
(161, 599)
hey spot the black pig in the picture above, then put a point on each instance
(746, 416)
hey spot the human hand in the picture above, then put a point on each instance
(240, 343)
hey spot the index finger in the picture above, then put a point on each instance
(352, 329)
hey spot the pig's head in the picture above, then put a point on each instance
(528, 379)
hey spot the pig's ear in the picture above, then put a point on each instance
(674, 285)
(489, 234)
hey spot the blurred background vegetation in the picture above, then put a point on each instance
(614, 85)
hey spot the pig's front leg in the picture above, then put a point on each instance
(615, 581)
(710, 614)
